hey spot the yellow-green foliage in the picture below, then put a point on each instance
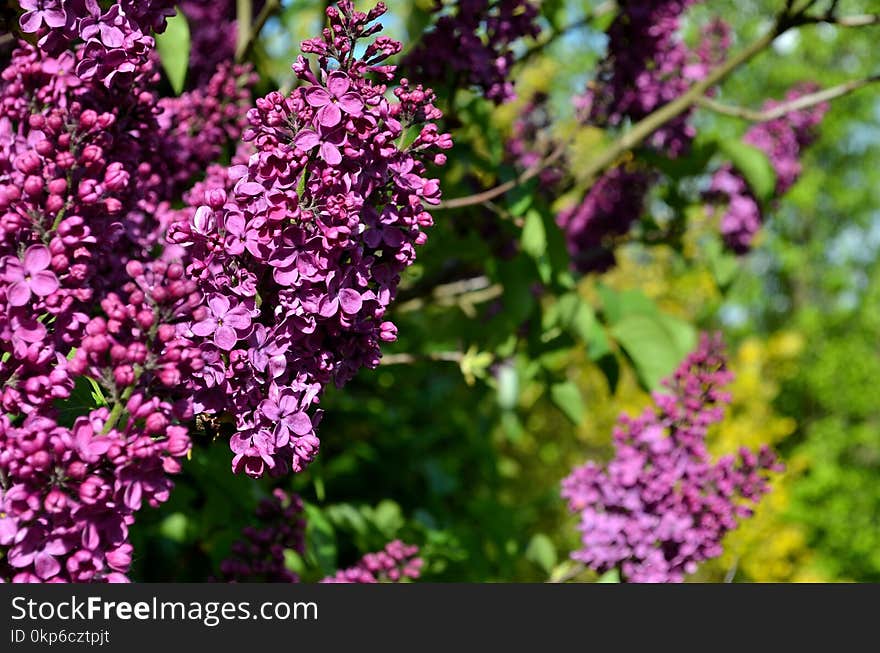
(768, 547)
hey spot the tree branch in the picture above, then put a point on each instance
(788, 19)
(247, 37)
(409, 359)
(803, 102)
(651, 123)
(507, 186)
(862, 20)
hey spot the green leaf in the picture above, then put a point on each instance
(320, 540)
(293, 562)
(542, 552)
(655, 344)
(575, 316)
(520, 199)
(534, 236)
(85, 396)
(388, 518)
(174, 527)
(618, 305)
(173, 46)
(752, 164)
(611, 576)
(508, 386)
(722, 263)
(567, 398)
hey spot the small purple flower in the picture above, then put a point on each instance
(31, 276)
(38, 12)
(224, 322)
(336, 96)
(284, 410)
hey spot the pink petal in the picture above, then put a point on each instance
(36, 258)
(338, 83)
(30, 22)
(250, 188)
(350, 300)
(270, 409)
(44, 283)
(301, 424)
(306, 139)
(329, 115)
(352, 104)
(237, 320)
(328, 307)
(55, 17)
(235, 223)
(18, 294)
(225, 337)
(330, 153)
(317, 96)
(204, 328)
(219, 305)
(203, 220)
(282, 435)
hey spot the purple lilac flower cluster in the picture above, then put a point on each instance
(782, 140)
(396, 563)
(300, 250)
(607, 211)
(259, 555)
(71, 492)
(198, 124)
(85, 308)
(473, 45)
(117, 41)
(661, 506)
(647, 65)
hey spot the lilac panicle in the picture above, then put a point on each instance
(474, 45)
(396, 563)
(299, 247)
(782, 140)
(259, 555)
(661, 506)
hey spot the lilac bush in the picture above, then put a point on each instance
(180, 269)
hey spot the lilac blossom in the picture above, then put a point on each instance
(474, 42)
(307, 234)
(396, 563)
(30, 276)
(259, 555)
(661, 506)
(782, 140)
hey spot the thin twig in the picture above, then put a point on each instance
(246, 46)
(507, 186)
(651, 123)
(465, 292)
(409, 359)
(862, 20)
(243, 16)
(803, 102)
